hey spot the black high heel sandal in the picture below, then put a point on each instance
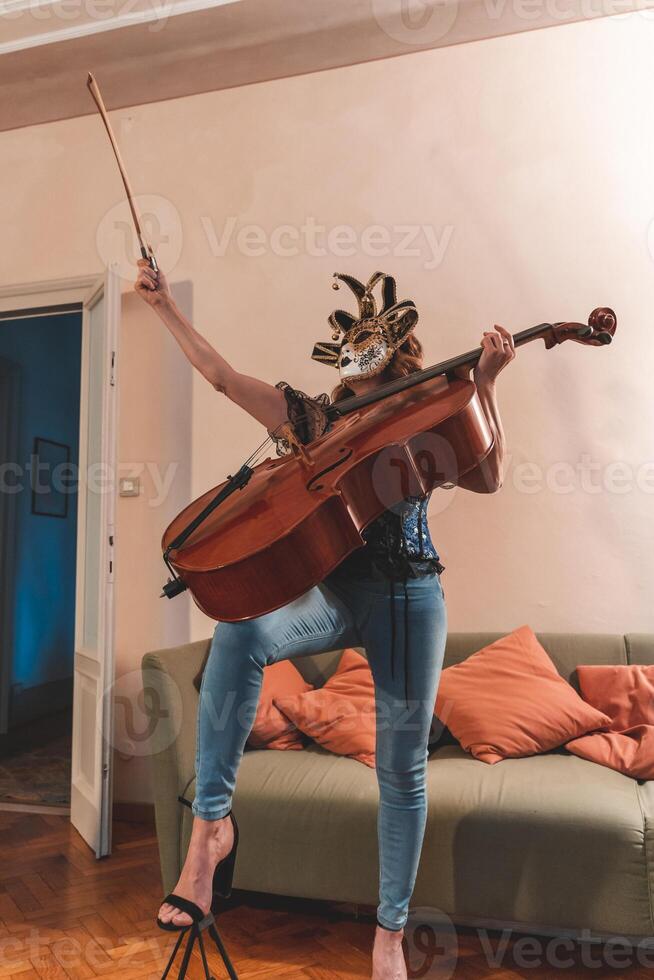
(221, 888)
(223, 877)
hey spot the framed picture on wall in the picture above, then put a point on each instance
(50, 478)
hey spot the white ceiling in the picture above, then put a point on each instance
(149, 50)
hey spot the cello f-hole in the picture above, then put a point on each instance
(344, 456)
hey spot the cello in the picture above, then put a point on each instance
(278, 527)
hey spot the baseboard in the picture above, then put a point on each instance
(582, 936)
(134, 812)
(50, 811)
(28, 704)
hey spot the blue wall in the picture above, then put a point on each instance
(48, 351)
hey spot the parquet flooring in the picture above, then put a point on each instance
(65, 915)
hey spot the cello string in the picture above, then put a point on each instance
(268, 442)
(257, 455)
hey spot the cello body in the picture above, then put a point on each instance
(300, 515)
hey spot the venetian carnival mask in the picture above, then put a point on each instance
(363, 346)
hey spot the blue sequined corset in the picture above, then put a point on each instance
(398, 543)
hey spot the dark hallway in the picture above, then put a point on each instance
(40, 394)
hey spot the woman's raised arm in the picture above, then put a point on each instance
(263, 401)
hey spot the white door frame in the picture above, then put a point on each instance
(91, 781)
(8, 446)
(87, 290)
(50, 292)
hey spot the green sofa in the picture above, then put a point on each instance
(549, 844)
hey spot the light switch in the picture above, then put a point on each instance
(129, 486)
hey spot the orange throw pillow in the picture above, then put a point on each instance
(340, 715)
(626, 693)
(508, 700)
(272, 729)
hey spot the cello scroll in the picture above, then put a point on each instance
(597, 332)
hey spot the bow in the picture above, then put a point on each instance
(146, 250)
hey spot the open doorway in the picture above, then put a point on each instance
(40, 364)
(57, 590)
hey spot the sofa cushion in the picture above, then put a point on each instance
(508, 700)
(626, 694)
(340, 715)
(272, 729)
(623, 692)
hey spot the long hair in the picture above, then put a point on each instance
(406, 360)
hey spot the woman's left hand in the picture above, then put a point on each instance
(498, 350)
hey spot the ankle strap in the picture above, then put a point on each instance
(182, 799)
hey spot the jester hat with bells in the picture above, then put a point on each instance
(364, 345)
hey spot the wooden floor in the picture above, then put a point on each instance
(65, 915)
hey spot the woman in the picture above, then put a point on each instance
(359, 604)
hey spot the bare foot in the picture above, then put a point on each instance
(211, 841)
(388, 956)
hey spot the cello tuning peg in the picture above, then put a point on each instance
(585, 331)
(604, 337)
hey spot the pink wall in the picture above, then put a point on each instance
(154, 430)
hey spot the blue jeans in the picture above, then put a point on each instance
(341, 612)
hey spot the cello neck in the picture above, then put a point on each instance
(468, 359)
